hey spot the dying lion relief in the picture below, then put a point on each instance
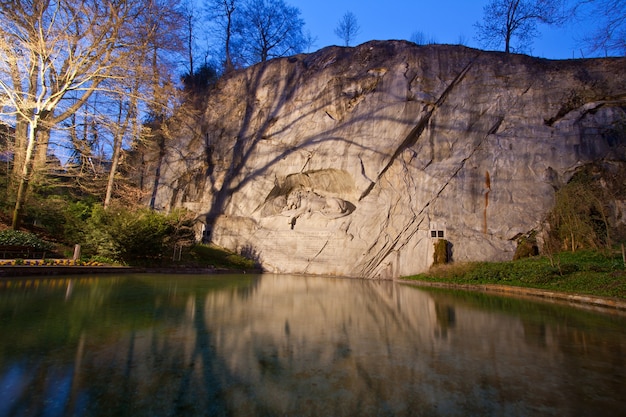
(308, 194)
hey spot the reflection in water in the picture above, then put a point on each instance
(298, 346)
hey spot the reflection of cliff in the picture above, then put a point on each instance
(294, 345)
(371, 347)
(446, 318)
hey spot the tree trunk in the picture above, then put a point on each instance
(229, 61)
(40, 158)
(19, 152)
(190, 44)
(117, 149)
(24, 176)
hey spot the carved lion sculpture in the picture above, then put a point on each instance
(305, 203)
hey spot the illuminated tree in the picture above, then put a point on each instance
(159, 32)
(55, 54)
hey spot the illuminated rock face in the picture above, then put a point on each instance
(353, 161)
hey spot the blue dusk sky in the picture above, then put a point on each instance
(444, 21)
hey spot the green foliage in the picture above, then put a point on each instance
(19, 238)
(211, 255)
(47, 212)
(76, 214)
(59, 216)
(527, 271)
(134, 236)
(122, 235)
(101, 260)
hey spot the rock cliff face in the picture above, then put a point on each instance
(354, 161)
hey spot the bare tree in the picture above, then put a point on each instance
(222, 14)
(85, 149)
(309, 41)
(505, 21)
(189, 14)
(610, 18)
(418, 38)
(348, 28)
(269, 29)
(161, 29)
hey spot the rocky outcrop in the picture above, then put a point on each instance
(353, 161)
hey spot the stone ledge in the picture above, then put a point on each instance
(25, 270)
(507, 290)
(10, 271)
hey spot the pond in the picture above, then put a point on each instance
(276, 345)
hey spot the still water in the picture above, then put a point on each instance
(268, 345)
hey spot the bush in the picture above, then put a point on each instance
(48, 213)
(132, 236)
(76, 213)
(18, 238)
(60, 217)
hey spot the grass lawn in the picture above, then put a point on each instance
(597, 273)
(215, 256)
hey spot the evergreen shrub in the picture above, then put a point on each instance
(18, 238)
